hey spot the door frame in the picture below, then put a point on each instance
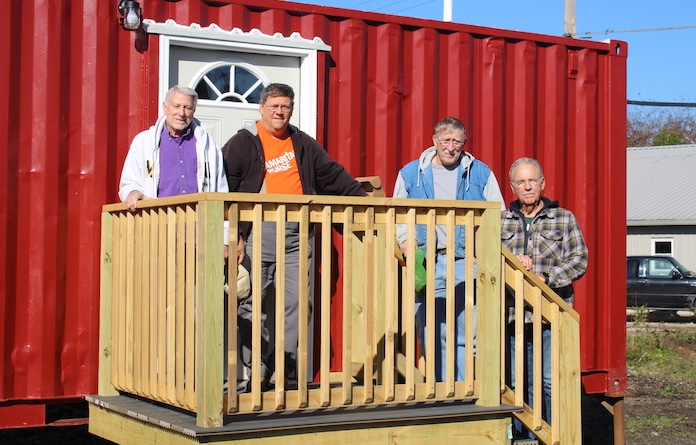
(215, 38)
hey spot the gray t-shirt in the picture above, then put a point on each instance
(445, 183)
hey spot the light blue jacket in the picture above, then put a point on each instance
(475, 181)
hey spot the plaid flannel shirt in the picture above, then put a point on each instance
(553, 241)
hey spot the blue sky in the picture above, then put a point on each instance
(661, 64)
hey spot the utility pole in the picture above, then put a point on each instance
(570, 29)
(447, 11)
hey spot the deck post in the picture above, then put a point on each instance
(488, 282)
(104, 386)
(209, 313)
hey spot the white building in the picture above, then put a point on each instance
(661, 202)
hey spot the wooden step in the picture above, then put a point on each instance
(111, 416)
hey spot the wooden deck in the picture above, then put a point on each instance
(363, 377)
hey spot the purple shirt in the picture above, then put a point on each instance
(178, 164)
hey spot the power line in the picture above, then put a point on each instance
(414, 6)
(662, 104)
(588, 34)
(361, 3)
(386, 6)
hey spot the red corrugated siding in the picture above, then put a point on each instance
(78, 88)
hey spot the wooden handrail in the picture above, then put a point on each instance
(536, 302)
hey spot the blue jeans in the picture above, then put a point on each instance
(528, 370)
(440, 318)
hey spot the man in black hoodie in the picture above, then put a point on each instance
(272, 156)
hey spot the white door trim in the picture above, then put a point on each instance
(215, 38)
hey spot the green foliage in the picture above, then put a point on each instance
(657, 126)
(667, 137)
(640, 314)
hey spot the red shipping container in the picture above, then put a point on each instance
(77, 88)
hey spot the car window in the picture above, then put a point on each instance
(659, 268)
(632, 267)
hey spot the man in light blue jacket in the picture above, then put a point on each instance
(445, 171)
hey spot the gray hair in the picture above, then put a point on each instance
(277, 90)
(190, 92)
(449, 124)
(522, 161)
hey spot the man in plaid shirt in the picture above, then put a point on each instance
(548, 241)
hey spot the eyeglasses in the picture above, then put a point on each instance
(455, 142)
(283, 108)
(533, 182)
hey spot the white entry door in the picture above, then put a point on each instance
(229, 69)
(229, 84)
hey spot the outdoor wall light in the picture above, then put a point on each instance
(132, 14)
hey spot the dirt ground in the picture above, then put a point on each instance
(659, 411)
(662, 411)
(667, 410)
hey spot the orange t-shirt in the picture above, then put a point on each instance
(282, 175)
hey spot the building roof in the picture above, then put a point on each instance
(661, 185)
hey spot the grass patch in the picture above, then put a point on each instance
(670, 354)
(670, 389)
(636, 424)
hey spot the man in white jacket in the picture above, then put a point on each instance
(175, 156)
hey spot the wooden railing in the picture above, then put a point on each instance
(163, 312)
(543, 308)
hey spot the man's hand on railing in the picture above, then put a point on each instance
(526, 261)
(528, 264)
(133, 198)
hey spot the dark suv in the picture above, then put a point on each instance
(660, 283)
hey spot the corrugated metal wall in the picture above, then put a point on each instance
(77, 88)
(57, 167)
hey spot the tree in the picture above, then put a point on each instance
(654, 126)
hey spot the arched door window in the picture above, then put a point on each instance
(229, 68)
(229, 82)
